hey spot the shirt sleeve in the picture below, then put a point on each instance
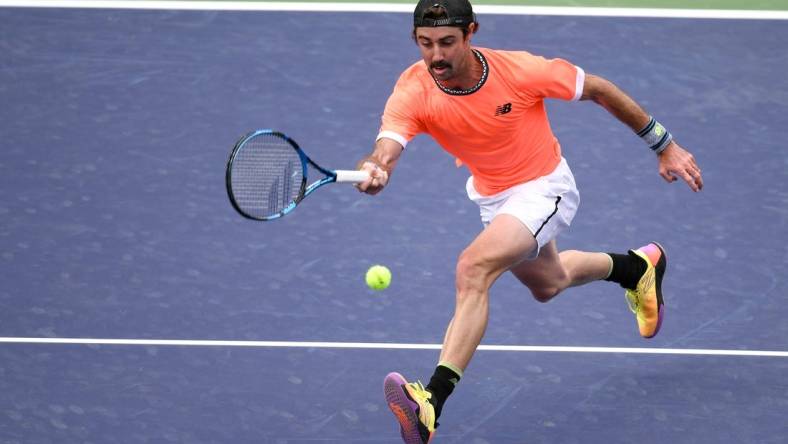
(554, 78)
(400, 120)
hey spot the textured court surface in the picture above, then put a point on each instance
(114, 223)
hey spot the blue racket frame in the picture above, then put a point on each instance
(304, 190)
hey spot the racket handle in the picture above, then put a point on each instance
(351, 176)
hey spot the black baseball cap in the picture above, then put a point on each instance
(460, 13)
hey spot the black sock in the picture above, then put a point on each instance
(627, 269)
(441, 385)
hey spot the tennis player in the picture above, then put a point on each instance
(486, 108)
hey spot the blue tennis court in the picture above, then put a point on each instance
(114, 223)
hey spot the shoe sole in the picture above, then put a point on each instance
(403, 408)
(659, 271)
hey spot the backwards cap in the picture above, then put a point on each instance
(460, 13)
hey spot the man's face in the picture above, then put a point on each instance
(442, 49)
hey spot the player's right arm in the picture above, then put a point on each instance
(380, 164)
(399, 124)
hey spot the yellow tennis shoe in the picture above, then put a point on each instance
(410, 403)
(646, 299)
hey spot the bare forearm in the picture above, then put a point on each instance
(385, 155)
(615, 101)
(379, 164)
(674, 161)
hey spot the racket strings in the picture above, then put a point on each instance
(267, 176)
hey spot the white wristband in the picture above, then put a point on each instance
(656, 136)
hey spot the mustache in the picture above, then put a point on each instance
(441, 64)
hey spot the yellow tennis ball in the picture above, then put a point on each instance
(378, 277)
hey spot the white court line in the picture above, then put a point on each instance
(389, 346)
(399, 7)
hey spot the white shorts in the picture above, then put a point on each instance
(546, 206)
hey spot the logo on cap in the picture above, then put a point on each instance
(458, 13)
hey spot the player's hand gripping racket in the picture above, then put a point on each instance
(267, 175)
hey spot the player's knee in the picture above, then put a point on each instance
(548, 285)
(545, 294)
(470, 274)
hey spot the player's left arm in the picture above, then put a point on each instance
(674, 161)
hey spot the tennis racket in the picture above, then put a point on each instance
(267, 175)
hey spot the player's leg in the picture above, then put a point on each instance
(639, 271)
(505, 242)
(552, 272)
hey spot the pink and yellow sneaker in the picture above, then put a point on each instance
(410, 403)
(646, 299)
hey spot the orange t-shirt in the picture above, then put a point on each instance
(500, 131)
